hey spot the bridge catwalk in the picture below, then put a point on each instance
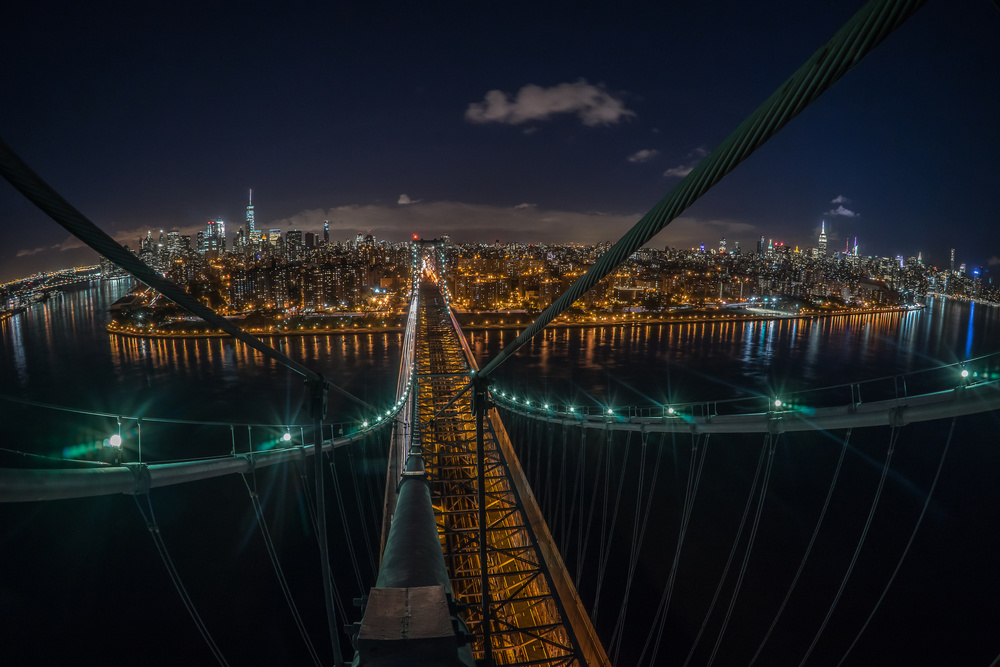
(527, 618)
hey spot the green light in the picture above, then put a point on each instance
(610, 411)
(365, 424)
(287, 436)
(670, 411)
(572, 409)
(777, 402)
(546, 406)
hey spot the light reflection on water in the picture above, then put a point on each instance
(717, 360)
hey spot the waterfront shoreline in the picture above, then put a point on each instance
(467, 326)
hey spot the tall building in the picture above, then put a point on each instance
(326, 232)
(250, 227)
(722, 245)
(822, 239)
(953, 260)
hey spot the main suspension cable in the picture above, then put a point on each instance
(860, 35)
(44, 196)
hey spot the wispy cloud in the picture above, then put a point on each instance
(404, 200)
(645, 155)
(993, 261)
(525, 205)
(593, 105)
(682, 170)
(27, 253)
(840, 199)
(840, 210)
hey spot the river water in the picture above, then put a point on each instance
(83, 581)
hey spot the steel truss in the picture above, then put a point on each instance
(526, 618)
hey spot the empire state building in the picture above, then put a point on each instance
(822, 239)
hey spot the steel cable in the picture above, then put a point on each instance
(862, 33)
(606, 554)
(637, 541)
(749, 547)
(690, 491)
(41, 194)
(857, 549)
(906, 549)
(175, 578)
(732, 551)
(809, 547)
(276, 564)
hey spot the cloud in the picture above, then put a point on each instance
(840, 199)
(525, 205)
(679, 171)
(404, 200)
(840, 210)
(682, 170)
(993, 261)
(27, 253)
(645, 155)
(593, 105)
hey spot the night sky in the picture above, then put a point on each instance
(535, 121)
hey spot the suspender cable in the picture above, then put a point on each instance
(812, 541)
(279, 573)
(732, 551)
(602, 566)
(906, 549)
(749, 549)
(44, 196)
(893, 437)
(638, 533)
(695, 467)
(175, 577)
(861, 34)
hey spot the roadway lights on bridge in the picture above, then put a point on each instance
(965, 372)
(546, 406)
(364, 425)
(610, 411)
(777, 402)
(670, 411)
(287, 437)
(115, 441)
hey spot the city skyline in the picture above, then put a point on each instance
(567, 127)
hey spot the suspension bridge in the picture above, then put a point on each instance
(510, 529)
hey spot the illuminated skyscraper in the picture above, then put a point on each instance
(250, 227)
(822, 239)
(326, 231)
(953, 260)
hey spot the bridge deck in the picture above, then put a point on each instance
(528, 612)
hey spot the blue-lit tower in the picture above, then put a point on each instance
(250, 226)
